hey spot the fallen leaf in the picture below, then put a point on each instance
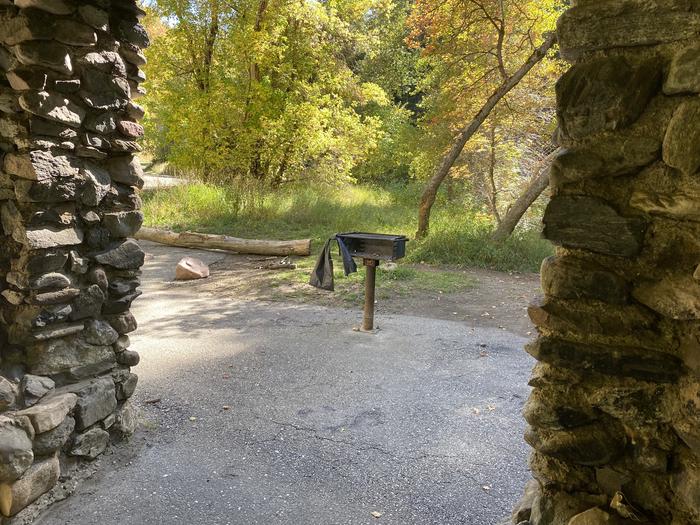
(476, 411)
(486, 487)
(193, 418)
(376, 514)
(226, 407)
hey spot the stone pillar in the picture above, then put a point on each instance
(68, 204)
(615, 411)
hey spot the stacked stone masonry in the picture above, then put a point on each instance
(614, 416)
(68, 205)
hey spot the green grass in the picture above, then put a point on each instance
(459, 237)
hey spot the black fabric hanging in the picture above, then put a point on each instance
(322, 275)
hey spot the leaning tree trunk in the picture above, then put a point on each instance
(537, 185)
(430, 192)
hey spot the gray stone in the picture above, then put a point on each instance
(49, 412)
(40, 165)
(122, 343)
(78, 264)
(130, 129)
(50, 280)
(106, 62)
(682, 138)
(98, 276)
(591, 224)
(49, 442)
(90, 444)
(126, 170)
(590, 445)
(661, 190)
(25, 79)
(52, 237)
(128, 358)
(34, 388)
(89, 303)
(124, 323)
(125, 256)
(604, 94)
(70, 358)
(101, 123)
(126, 421)
(67, 86)
(104, 91)
(74, 33)
(134, 111)
(123, 224)
(594, 516)
(119, 305)
(684, 74)
(61, 190)
(52, 298)
(56, 7)
(15, 449)
(96, 401)
(55, 331)
(52, 106)
(98, 183)
(49, 55)
(100, 333)
(39, 479)
(108, 422)
(48, 261)
(523, 509)
(8, 393)
(133, 32)
(126, 388)
(94, 16)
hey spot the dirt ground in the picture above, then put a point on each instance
(488, 299)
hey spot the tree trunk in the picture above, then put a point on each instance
(223, 242)
(430, 193)
(493, 188)
(537, 185)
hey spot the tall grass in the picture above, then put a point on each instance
(459, 236)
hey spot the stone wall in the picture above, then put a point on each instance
(68, 204)
(614, 417)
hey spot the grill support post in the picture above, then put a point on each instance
(370, 282)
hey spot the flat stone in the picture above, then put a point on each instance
(594, 516)
(523, 508)
(78, 264)
(96, 401)
(50, 412)
(191, 268)
(120, 305)
(122, 343)
(606, 24)
(49, 442)
(40, 165)
(74, 33)
(33, 388)
(48, 191)
(48, 261)
(57, 330)
(52, 237)
(57, 7)
(126, 170)
(130, 129)
(686, 484)
(134, 111)
(59, 297)
(89, 303)
(684, 74)
(590, 445)
(94, 16)
(134, 33)
(122, 287)
(16, 454)
(616, 361)
(123, 224)
(52, 314)
(125, 146)
(604, 94)
(52, 106)
(124, 323)
(682, 138)
(90, 444)
(591, 224)
(25, 79)
(676, 297)
(72, 358)
(108, 422)
(125, 256)
(104, 123)
(104, 91)
(44, 54)
(100, 333)
(573, 278)
(39, 479)
(106, 62)
(98, 183)
(665, 191)
(67, 86)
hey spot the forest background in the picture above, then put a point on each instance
(301, 118)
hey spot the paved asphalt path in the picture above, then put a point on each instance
(420, 422)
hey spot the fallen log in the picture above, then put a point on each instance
(226, 243)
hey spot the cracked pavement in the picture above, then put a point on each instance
(275, 413)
